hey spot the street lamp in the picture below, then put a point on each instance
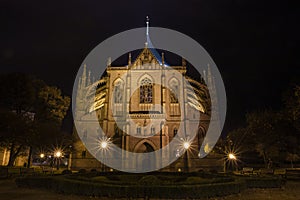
(42, 155)
(57, 155)
(186, 145)
(104, 146)
(230, 157)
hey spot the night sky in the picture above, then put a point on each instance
(253, 42)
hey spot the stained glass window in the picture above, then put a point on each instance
(146, 91)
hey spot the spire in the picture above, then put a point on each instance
(129, 59)
(89, 78)
(83, 78)
(79, 83)
(109, 62)
(147, 25)
(209, 77)
(183, 62)
(162, 59)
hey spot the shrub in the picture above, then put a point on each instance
(264, 182)
(196, 180)
(149, 180)
(94, 170)
(66, 171)
(82, 171)
(99, 178)
(148, 186)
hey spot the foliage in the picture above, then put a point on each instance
(81, 187)
(82, 171)
(66, 171)
(52, 105)
(264, 182)
(291, 100)
(149, 180)
(31, 113)
(274, 135)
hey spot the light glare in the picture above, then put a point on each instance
(231, 156)
(103, 144)
(186, 145)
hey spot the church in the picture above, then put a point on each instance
(140, 107)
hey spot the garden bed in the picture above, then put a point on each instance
(140, 186)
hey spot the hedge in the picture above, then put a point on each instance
(264, 182)
(148, 185)
(69, 186)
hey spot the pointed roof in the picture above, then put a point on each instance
(146, 56)
(149, 49)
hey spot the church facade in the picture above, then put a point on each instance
(140, 107)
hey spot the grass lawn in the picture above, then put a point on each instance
(9, 191)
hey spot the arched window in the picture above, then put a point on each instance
(138, 130)
(83, 154)
(117, 131)
(174, 91)
(146, 91)
(175, 131)
(118, 92)
(152, 130)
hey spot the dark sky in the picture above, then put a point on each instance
(253, 42)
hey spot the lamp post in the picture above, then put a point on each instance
(57, 155)
(186, 145)
(42, 156)
(104, 146)
(229, 157)
(70, 158)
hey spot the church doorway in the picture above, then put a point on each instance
(146, 163)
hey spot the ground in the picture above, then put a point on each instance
(9, 191)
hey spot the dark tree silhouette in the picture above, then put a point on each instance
(31, 113)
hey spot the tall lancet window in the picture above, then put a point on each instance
(146, 91)
(174, 91)
(118, 92)
(118, 97)
(174, 95)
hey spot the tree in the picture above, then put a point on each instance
(272, 134)
(265, 132)
(291, 100)
(14, 128)
(30, 108)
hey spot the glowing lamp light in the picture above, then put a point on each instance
(103, 144)
(231, 156)
(42, 155)
(186, 145)
(57, 154)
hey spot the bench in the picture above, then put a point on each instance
(46, 169)
(293, 174)
(247, 170)
(266, 171)
(281, 172)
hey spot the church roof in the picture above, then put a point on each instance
(149, 48)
